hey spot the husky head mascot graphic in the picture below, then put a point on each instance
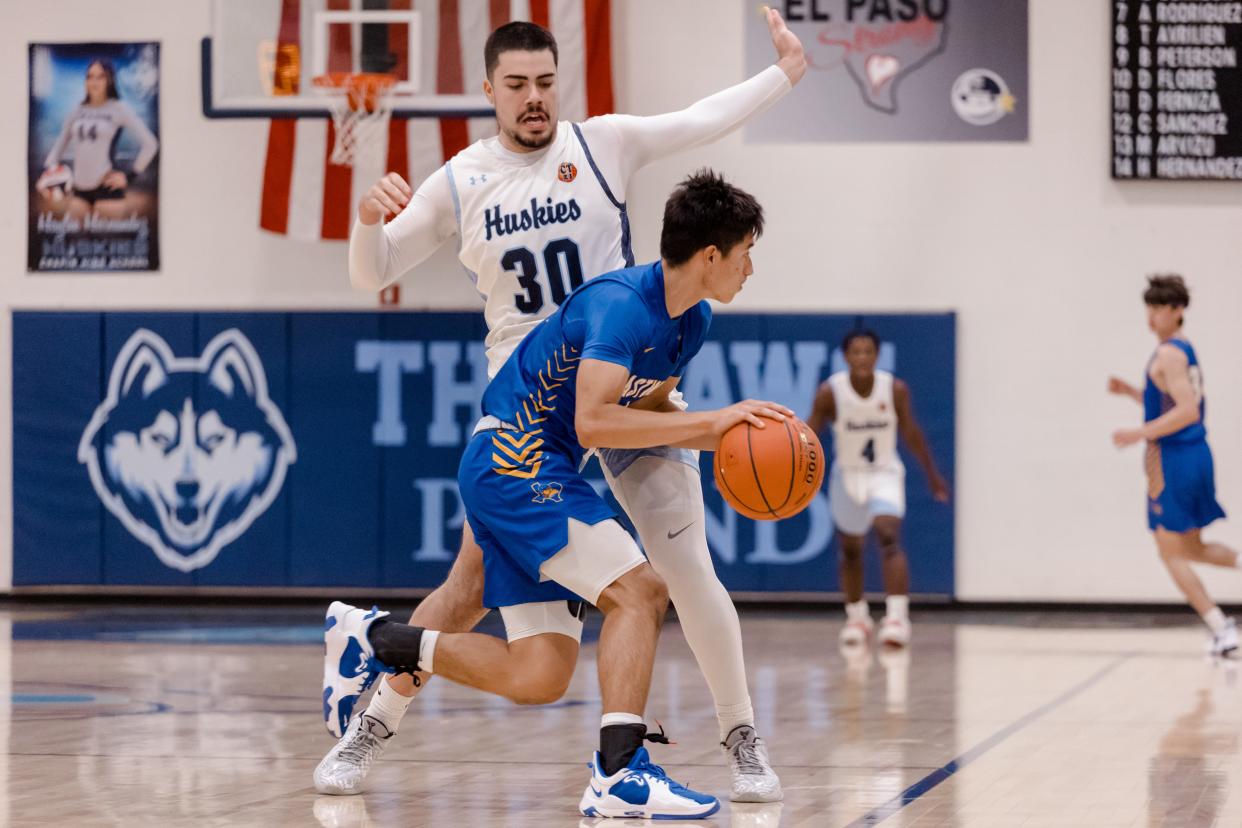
(187, 452)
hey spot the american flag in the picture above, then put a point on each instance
(305, 196)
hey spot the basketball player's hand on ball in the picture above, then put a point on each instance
(789, 55)
(1123, 437)
(749, 411)
(386, 198)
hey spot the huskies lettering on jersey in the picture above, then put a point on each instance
(865, 425)
(500, 223)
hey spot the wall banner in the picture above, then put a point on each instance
(92, 157)
(898, 70)
(321, 449)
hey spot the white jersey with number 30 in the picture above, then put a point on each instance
(533, 226)
(865, 430)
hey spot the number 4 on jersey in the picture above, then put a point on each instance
(521, 261)
(869, 450)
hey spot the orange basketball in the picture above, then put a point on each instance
(769, 473)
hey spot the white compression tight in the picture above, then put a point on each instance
(665, 497)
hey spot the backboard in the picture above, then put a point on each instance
(261, 57)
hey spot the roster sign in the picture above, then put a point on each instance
(1177, 90)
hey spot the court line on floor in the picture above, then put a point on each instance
(912, 794)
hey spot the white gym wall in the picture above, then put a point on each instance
(1041, 254)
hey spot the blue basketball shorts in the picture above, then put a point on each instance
(1181, 486)
(520, 495)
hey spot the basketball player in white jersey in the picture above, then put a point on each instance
(867, 484)
(537, 210)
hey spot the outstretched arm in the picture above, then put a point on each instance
(379, 254)
(912, 433)
(635, 141)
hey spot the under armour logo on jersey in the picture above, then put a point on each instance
(566, 172)
(478, 179)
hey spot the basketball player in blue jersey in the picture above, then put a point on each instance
(598, 372)
(538, 210)
(1181, 485)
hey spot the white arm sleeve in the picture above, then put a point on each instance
(631, 141)
(53, 157)
(148, 144)
(379, 254)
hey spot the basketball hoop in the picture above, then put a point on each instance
(361, 106)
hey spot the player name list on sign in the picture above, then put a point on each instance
(1177, 89)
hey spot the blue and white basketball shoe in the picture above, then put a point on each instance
(642, 791)
(349, 663)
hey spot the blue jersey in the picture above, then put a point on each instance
(1157, 402)
(620, 317)
(521, 483)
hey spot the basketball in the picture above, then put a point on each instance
(769, 473)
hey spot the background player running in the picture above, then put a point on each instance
(538, 210)
(1181, 484)
(867, 483)
(596, 373)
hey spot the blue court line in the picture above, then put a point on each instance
(911, 794)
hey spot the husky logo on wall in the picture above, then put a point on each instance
(187, 452)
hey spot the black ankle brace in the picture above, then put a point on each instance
(396, 645)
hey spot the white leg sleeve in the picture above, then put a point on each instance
(664, 499)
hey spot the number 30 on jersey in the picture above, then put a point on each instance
(561, 264)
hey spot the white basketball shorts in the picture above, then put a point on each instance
(859, 496)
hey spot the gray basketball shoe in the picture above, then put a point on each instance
(342, 771)
(753, 777)
(1224, 644)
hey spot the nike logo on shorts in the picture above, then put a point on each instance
(672, 534)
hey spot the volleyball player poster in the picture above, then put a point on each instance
(93, 157)
(915, 70)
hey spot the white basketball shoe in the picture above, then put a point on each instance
(342, 771)
(1224, 644)
(857, 632)
(753, 777)
(895, 632)
(642, 790)
(349, 663)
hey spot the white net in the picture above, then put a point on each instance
(361, 106)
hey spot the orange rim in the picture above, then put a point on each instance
(363, 89)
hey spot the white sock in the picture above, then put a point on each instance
(1215, 619)
(427, 651)
(388, 706)
(897, 606)
(734, 715)
(621, 718)
(857, 611)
